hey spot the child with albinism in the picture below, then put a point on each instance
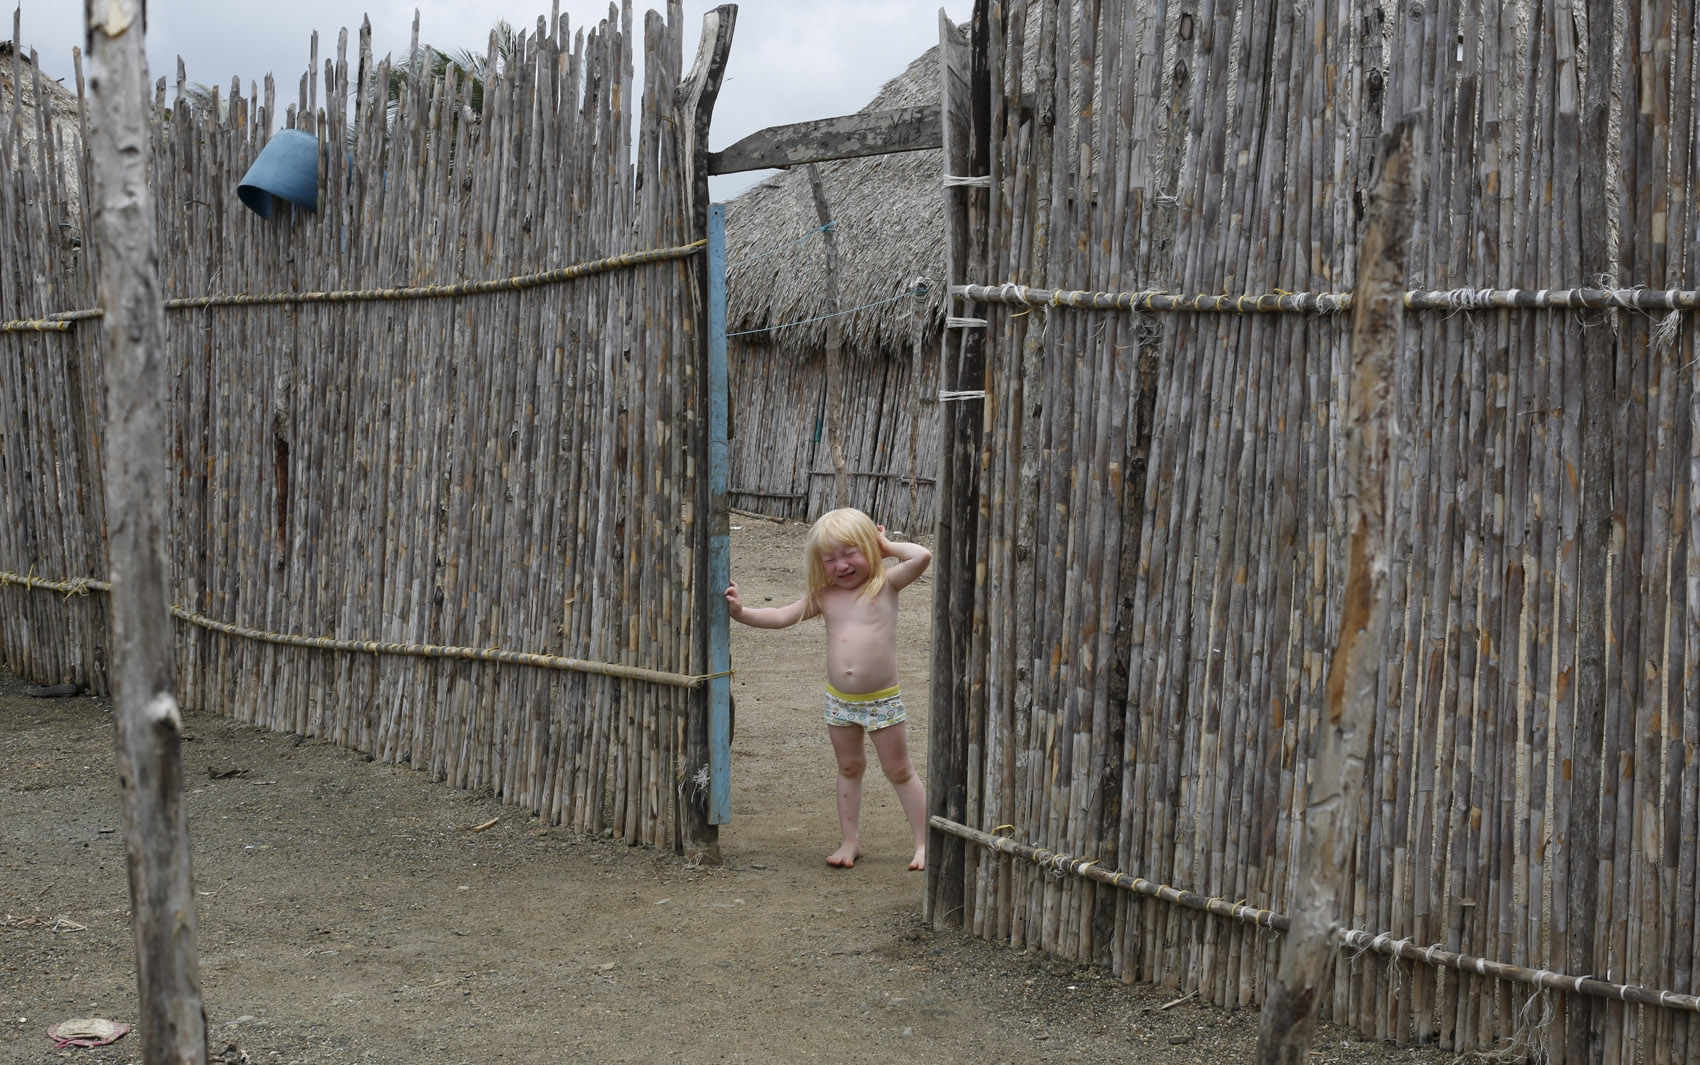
(855, 593)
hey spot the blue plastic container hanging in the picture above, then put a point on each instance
(287, 168)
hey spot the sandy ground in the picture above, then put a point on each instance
(348, 912)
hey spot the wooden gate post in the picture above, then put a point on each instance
(699, 835)
(147, 729)
(966, 121)
(720, 538)
(1342, 743)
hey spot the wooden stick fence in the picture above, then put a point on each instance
(363, 440)
(1380, 942)
(1154, 483)
(384, 295)
(83, 586)
(1335, 302)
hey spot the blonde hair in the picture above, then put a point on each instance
(845, 527)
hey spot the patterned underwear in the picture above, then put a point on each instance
(871, 710)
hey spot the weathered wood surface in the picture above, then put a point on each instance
(147, 726)
(1160, 502)
(704, 516)
(904, 129)
(508, 469)
(950, 742)
(1585, 121)
(1287, 1024)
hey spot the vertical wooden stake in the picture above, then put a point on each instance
(1584, 1017)
(965, 112)
(699, 835)
(1289, 1010)
(834, 416)
(147, 728)
(719, 540)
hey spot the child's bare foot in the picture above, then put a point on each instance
(920, 859)
(844, 857)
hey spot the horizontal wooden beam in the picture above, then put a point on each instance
(905, 129)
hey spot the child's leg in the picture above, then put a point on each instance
(892, 746)
(852, 758)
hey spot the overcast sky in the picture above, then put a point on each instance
(792, 60)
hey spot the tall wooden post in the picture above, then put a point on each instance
(699, 835)
(1337, 772)
(966, 118)
(1584, 1027)
(720, 541)
(147, 728)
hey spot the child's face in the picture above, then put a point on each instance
(845, 565)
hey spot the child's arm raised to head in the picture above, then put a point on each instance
(912, 560)
(767, 617)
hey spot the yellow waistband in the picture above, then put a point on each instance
(861, 697)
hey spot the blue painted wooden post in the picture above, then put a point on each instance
(719, 540)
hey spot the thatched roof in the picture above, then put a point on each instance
(888, 215)
(21, 131)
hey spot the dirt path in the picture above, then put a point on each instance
(349, 914)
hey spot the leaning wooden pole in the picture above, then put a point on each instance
(148, 730)
(832, 418)
(1290, 1008)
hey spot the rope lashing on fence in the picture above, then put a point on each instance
(1632, 299)
(84, 586)
(1382, 943)
(35, 325)
(416, 292)
(955, 181)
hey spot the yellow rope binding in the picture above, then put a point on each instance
(35, 325)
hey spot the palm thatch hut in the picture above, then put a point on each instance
(36, 110)
(886, 302)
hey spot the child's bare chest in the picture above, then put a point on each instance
(844, 609)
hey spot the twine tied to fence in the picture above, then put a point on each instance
(62, 322)
(1382, 943)
(1281, 302)
(35, 325)
(84, 585)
